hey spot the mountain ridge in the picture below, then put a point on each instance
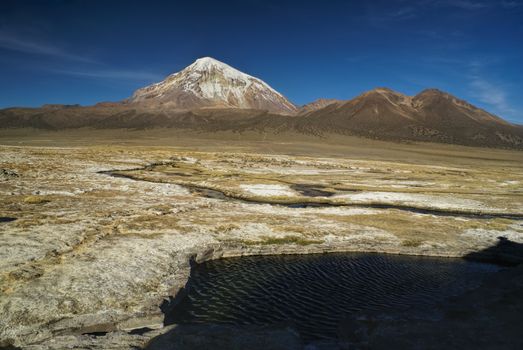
(211, 96)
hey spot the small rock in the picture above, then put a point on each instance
(8, 174)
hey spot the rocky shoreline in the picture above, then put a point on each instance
(148, 330)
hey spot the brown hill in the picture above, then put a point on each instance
(127, 117)
(432, 116)
(318, 104)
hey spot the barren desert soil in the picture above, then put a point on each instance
(98, 228)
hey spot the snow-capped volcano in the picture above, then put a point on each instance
(211, 83)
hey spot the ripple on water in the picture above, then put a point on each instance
(315, 292)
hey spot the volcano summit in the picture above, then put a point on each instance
(211, 83)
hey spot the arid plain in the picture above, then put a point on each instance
(99, 228)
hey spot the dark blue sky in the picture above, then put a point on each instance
(89, 51)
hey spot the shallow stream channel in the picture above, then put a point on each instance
(316, 293)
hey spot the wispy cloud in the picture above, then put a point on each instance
(466, 4)
(512, 4)
(490, 94)
(421, 7)
(402, 13)
(112, 74)
(379, 17)
(400, 10)
(18, 44)
(493, 94)
(82, 66)
(472, 5)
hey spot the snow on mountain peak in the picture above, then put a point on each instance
(209, 64)
(205, 63)
(208, 82)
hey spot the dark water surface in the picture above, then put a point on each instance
(6, 219)
(316, 292)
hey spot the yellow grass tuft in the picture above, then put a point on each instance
(34, 199)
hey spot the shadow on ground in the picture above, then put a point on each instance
(505, 252)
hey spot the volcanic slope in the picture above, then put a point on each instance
(211, 83)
